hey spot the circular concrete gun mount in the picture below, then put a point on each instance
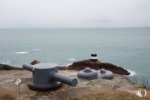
(46, 77)
(105, 74)
(87, 73)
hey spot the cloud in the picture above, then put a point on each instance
(74, 13)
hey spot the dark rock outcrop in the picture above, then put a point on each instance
(80, 65)
(8, 67)
(34, 62)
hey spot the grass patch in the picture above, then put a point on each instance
(6, 95)
(111, 95)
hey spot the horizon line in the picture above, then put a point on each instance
(76, 27)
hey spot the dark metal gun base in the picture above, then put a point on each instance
(44, 88)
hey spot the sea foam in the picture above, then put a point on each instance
(6, 62)
(23, 52)
(132, 73)
(72, 59)
(36, 49)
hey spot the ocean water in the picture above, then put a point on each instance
(126, 47)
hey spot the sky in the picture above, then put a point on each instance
(74, 13)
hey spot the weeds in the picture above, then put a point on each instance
(144, 82)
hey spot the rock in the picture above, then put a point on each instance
(113, 68)
(34, 62)
(81, 65)
(8, 67)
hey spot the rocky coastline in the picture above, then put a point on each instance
(8, 67)
(120, 86)
(80, 65)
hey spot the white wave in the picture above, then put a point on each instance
(36, 49)
(68, 64)
(23, 52)
(72, 59)
(132, 73)
(8, 62)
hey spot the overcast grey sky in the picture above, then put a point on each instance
(74, 13)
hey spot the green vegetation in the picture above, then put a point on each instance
(141, 82)
(70, 98)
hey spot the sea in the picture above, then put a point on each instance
(125, 47)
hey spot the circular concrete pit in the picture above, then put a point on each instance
(87, 73)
